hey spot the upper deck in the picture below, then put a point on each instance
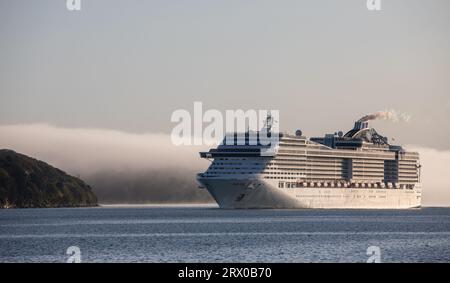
(360, 156)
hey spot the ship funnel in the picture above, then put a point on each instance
(359, 125)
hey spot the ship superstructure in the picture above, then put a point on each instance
(357, 170)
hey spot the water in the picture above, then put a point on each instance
(209, 234)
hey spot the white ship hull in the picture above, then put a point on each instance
(243, 193)
(358, 170)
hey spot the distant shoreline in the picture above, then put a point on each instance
(214, 205)
(211, 204)
(197, 205)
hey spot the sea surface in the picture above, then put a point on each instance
(205, 233)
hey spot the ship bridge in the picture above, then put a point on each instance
(249, 144)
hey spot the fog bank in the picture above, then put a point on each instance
(120, 167)
(145, 168)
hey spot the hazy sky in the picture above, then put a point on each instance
(127, 65)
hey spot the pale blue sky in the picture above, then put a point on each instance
(127, 65)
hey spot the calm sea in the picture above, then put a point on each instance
(208, 234)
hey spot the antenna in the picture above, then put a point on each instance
(269, 122)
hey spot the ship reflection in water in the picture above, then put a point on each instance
(208, 234)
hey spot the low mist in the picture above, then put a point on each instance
(147, 168)
(435, 175)
(120, 167)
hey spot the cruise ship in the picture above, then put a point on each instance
(356, 170)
